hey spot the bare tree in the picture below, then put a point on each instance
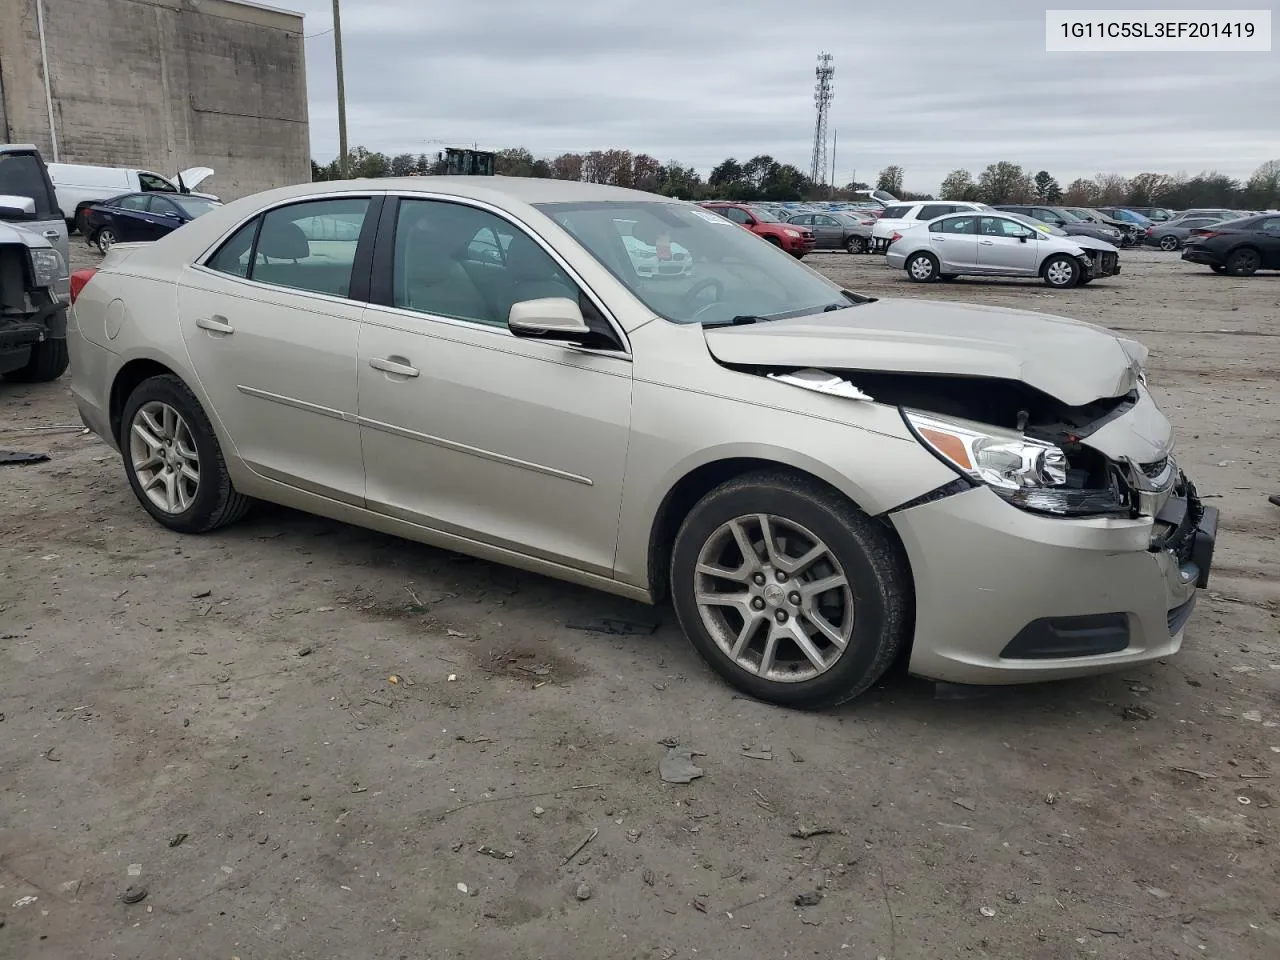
(1081, 193)
(1004, 182)
(890, 180)
(1112, 188)
(958, 185)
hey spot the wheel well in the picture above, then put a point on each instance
(691, 488)
(774, 240)
(1245, 246)
(127, 380)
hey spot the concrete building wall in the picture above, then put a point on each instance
(162, 85)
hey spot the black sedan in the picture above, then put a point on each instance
(1238, 247)
(133, 217)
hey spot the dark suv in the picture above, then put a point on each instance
(1066, 221)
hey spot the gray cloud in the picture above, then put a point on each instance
(953, 85)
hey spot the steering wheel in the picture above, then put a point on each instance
(697, 289)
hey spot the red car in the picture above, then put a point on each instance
(797, 241)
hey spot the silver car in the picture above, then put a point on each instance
(822, 483)
(998, 245)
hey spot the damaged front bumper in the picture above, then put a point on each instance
(1008, 596)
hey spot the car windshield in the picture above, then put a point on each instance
(764, 216)
(735, 275)
(195, 206)
(22, 175)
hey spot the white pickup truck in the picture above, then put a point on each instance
(80, 185)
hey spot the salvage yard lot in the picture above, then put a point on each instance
(304, 733)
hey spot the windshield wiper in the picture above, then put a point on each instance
(740, 321)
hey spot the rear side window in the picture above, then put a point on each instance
(931, 210)
(310, 246)
(954, 225)
(233, 256)
(136, 202)
(23, 175)
(895, 213)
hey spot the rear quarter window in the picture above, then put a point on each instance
(895, 213)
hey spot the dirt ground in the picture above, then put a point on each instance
(215, 720)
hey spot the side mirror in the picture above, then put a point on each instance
(17, 208)
(558, 317)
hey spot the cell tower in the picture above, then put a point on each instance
(822, 94)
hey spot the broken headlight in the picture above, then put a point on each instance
(1030, 474)
(47, 267)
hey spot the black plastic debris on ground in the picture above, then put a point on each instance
(20, 459)
(617, 626)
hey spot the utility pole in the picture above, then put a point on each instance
(835, 137)
(342, 91)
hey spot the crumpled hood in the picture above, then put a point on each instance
(1073, 361)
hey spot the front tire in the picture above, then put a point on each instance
(922, 268)
(1061, 271)
(48, 361)
(173, 460)
(1243, 262)
(788, 591)
(856, 245)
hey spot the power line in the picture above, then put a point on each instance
(320, 34)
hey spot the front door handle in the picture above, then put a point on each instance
(393, 367)
(51, 235)
(215, 325)
(986, 243)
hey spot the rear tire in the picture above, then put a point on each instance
(1243, 262)
(922, 267)
(1061, 271)
(865, 606)
(105, 239)
(1169, 242)
(213, 502)
(48, 361)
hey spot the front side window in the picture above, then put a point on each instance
(736, 214)
(1000, 227)
(149, 181)
(456, 261)
(1271, 226)
(730, 273)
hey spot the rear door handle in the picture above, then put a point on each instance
(215, 325)
(393, 367)
(986, 243)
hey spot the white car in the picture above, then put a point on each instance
(80, 185)
(901, 216)
(649, 261)
(999, 245)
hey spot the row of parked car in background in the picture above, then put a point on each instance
(1238, 242)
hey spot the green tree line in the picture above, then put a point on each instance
(764, 178)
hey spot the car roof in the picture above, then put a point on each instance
(529, 190)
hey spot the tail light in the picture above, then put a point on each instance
(1205, 233)
(895, 238)
(79, 279)
(868, 223)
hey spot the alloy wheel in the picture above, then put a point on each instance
(1168, 243)
(774, 598)
(164, 457)
(106, 240)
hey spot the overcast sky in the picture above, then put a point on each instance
(699, 80)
